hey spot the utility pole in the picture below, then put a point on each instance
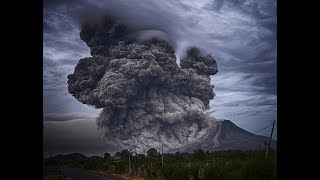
(162, 161)
(134, 165)
(129, 163)
(44, 149)
(162, 156)
(135, 157)
(268, 147)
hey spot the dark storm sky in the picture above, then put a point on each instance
(240, 34)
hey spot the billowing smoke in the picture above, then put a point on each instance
(148, 100)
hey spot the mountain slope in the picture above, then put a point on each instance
(225, 135)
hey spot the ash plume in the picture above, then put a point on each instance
(148, 100)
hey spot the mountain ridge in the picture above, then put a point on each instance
(225, 135)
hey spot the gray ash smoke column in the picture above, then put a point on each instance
(147, 99)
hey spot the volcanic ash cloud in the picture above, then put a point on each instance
(148, 100)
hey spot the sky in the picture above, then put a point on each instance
(240, 34)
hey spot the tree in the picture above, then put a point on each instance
(107, 156)
(123, 154)
(152, 152)
(199, 154)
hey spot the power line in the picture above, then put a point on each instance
(226, 145)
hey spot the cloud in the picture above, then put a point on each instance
(68, 116)
(139, 83)
(74, 132)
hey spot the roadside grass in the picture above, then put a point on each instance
(119, 176)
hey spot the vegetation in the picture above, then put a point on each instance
(231, 164)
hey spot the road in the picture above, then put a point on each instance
(79, 174)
